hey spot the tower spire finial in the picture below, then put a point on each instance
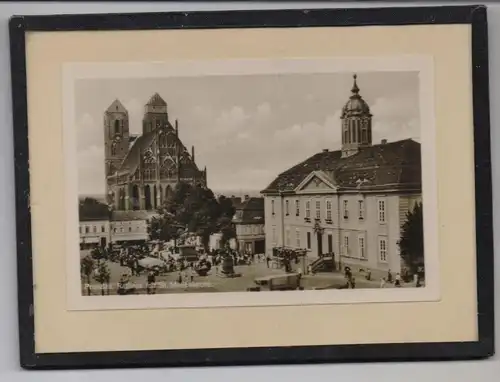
(355, 89)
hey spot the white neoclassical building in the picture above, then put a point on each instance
(351, 201)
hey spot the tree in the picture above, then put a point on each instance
(411, 244)
(103, 276)
(93, 208)
(87, 265)
(164, 228)
(195, 208)
(98, 255)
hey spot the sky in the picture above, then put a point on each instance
(246, 128)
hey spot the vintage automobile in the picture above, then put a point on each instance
(288, 281)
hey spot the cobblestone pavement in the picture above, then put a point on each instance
(168, 283)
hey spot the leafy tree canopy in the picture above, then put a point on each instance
(411, 244)
(196, 209)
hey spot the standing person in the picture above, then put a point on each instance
(191, 273)
(389, 276)
(382, 282)
(151, 282)
(397, 282)
(268, 259)
(179, 277)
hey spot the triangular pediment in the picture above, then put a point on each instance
(316, 182)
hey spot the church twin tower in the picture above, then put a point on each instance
(141, 171)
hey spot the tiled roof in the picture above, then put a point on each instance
(143, 142)
(156, 100)
(131, 215)
(91, 210)
(393, 165)
(132, 160)
(250, 211)
(116, 107)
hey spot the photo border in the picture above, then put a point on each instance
(473, 15)
(421, 64)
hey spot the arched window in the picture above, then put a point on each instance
(117, 126)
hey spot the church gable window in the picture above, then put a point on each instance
(149, 157)
(117, 126)
(114, 148)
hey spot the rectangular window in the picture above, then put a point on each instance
(309, 240)
(297, 208)
(361, 247)
(381, 211)
(346, 209)
(86, 229)
(329, 210)
(330, 244)
(345, 245)
(274, 235)
(272, 207)
(94, 229)
(308, 209)
(287, 237)
(361, 209)
(80, 229)
(297, 238)
(287, 207)
(103, 229)
(318, 209)
(382, 249)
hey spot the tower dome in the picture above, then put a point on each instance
(356, 122)
(356, 105)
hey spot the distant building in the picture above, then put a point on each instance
(249, 223)
(129, 226)
(94, 224)
(141, 171)
(100, 226)
(352, 201)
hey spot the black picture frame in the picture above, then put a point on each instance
(475, 15)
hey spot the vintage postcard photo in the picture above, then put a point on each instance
(305, 178)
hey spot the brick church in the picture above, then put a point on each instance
(141, 171)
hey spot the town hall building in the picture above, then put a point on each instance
(142, 170)
(351, 202)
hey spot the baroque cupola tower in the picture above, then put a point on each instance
(356, 123)
(116, 136)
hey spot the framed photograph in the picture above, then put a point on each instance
(253, 187)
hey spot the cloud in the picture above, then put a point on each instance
(135, 110)
(248, 129)
(88, 131)
(402, 106)
(91, 169)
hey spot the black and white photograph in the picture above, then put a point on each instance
(250, 182)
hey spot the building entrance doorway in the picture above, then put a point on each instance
(319, 237)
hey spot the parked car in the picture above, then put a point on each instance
(288, 281)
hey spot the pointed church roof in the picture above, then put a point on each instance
(156, 100)
(116, 107)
